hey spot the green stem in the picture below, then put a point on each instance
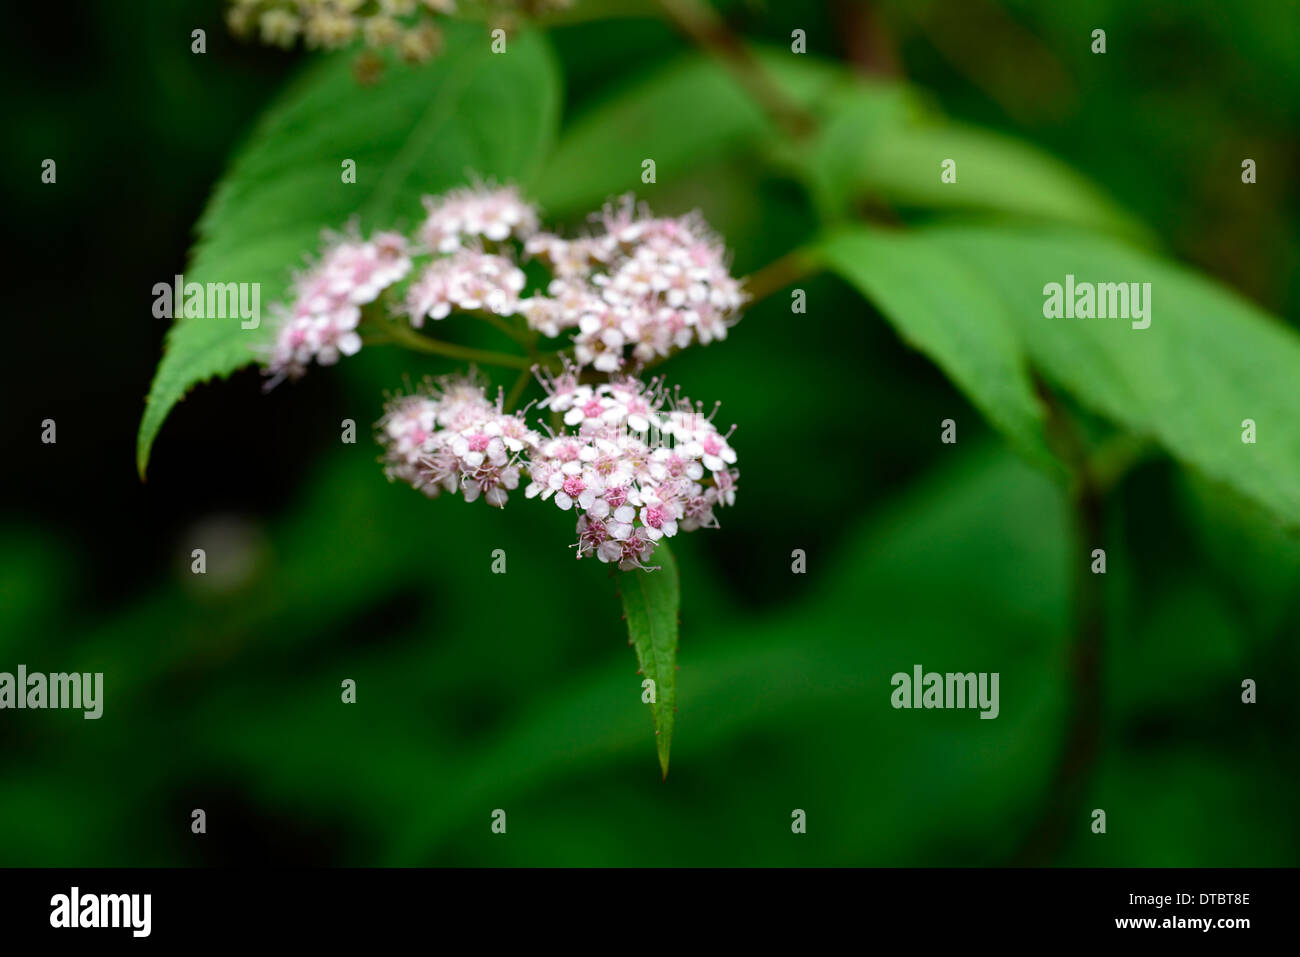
(704, 27)
(517, 390)
(1063, 811)
(768, 280)
(1113, 459)
(780, 273)
(406, 336)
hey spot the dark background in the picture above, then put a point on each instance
(479, 692)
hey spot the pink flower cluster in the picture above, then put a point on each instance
(636, 463)
(321, 323)
(642, 284)
(468, 279)
(638, 466)
(636, 289)
(476, 212)
(450, 438)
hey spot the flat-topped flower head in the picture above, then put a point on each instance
(448, 437)
(495, 213)
(320, 323)
(406, 26)
(635, 463)
(637, 289)
(637, 466)
(469, 280)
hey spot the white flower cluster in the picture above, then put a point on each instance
(476, 212)
(642, 284)
(468, 279)
(638, 466)
(636, 463)
(405, 26)
(450, 438)
(635, 290)
(321, 323)
(638, 288)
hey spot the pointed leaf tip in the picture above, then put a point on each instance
(650, 604)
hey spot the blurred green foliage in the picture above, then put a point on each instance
(480, 691)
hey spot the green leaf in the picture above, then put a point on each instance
(876, 138)
(994, 172)
(972, 298)
(858, 113)
(1208, 361)
(651, 602)
(601, 152)
(420, 129)
(879, 140)
(945, 309)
